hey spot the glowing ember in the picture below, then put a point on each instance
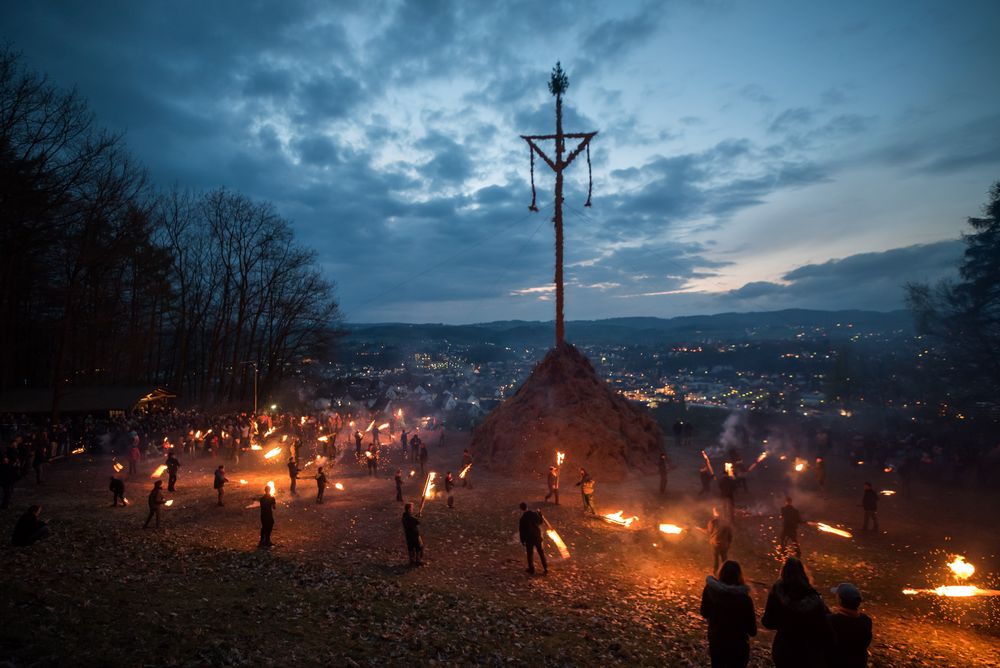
(670, 529)
(560, 458)
(399, 413)
(78, 451)
(887, 492)
(962, 569)
(383, 426)
(558, 542)
(888, 469)
(954, 591)
(118, 467)
(197, 434)
(338, 486)
(256, 446)
(729, 468)
(284, 438)
(800, 465)
(169, 502)
(274, 452)
(303, 420)
(413, 473)
(323, 439)
(619, 519)
(368, 454)
(826, 528)
(159, 471)
(243, 482)
(270, 487)
(464, 471)
(270, 431)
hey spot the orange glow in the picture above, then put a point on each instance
(558, 542)
(274, 452)
(159, 471)
(619, 519)
(338, 486)
(465, 471)
(826, 528)
(962, 569)
(672, 529)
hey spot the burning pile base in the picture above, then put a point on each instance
(564, 406)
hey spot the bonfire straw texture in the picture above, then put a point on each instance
(565, 406)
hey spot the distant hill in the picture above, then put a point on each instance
(764, 325)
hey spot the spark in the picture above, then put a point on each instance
(826, 528)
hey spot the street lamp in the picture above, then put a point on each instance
(255, 372)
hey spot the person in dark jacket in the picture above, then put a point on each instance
(172, 467)
(869, 501)
(449, 484)
(267, 505)
(117, 489)
(727, 491)
(791, 518)
(411, 530)
(220, 482)
(706, 480)
(320, 484)
(530, 529)
(726, 604)
(155, 500)
(29, 529)
(720, 537)
(796, 611)
(553, 482)
(293, 475)
(851, 628)
(662, 466)
(399, 485)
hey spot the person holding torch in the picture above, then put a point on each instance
(530, 529)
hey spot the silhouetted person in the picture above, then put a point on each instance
(662, 466)
(726, 604)
(791, 518)
(117, 489)
(820, 472)
(358, 440)
(586, 486)
(727, 492)
(553, 482)
(219, 483)
(467, 462)
(414, 448)
(449, 484)
(411, 530)
(371, 462)
(29, 529)
(530, 529)
(423, 458)
(172, 466)
(8, 476)
(869, 501)
(706, 480)
(293, 475)
(320, 484)
(399, 485)
(156, 501)
(797, 613)
(720, 537)
(851, 628)
(267, 504)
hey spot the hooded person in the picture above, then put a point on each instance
(726, 604)
(851, 628)
(796, 611)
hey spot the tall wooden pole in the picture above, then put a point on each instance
(557, 86)
(557, 220)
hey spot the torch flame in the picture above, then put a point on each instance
(270, 487)
(962, 569)
(729, 468)
(558, 541)
(284, 438)
(197, 434)
(383, 426)
(270, 431)
(323, 439)
(274, 452)
(256, 446)
(77, 451)
(118, 467)
(619, 519)
(670, 529)
(887, 492)
(303, 420)
(243, 482)
(169, 502)
(954, 591)
(560, 458)
(338, 486)
(800, 465)
(834, 530)
(159, 471)
(465, 470)
(370, 425)
(760, 458)
(429, 485)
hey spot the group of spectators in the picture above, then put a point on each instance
(808, 633)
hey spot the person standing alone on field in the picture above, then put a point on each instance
(411, 530)
(530, 529)
(173, 465)
(267, 505)
(220, 482)
(869, 501)
(155, 500)
(553, 483)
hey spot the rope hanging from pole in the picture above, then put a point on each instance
(531, 152)
(590, 177)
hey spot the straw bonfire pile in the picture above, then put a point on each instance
(564, 406)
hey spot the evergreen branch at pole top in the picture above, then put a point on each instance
(559, 81)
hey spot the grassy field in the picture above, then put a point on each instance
(101, 591)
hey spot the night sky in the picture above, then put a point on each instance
(751, 156)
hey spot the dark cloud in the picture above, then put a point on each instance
(865, 280)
